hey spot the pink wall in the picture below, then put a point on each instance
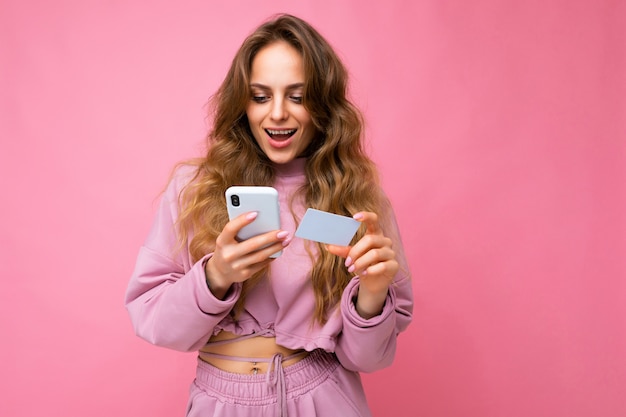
(500, 128)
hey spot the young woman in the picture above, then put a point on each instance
(284, 336)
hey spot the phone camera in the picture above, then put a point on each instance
(234, 199)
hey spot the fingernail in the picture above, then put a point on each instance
(364, 273)
(282, 234)
(351, 269)
(348, 261)
(252, 215)
(286, 242)
(358, 216)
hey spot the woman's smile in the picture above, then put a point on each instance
(280, 138)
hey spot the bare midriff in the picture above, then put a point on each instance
(256, 347)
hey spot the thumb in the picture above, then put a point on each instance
(341, 251)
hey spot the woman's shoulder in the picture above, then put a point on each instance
(183, 173)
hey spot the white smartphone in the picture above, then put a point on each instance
(263, 200)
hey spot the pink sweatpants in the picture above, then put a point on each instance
(315, 386)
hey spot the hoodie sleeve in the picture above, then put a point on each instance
(366, 345)
(167, 298)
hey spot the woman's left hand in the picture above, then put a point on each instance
(374, 260)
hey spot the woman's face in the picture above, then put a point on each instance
(279, 122)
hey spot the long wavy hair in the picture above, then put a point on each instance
(341, 178)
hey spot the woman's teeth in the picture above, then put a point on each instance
(280, 134)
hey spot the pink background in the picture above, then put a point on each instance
(500, 130)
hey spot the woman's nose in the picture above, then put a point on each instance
(278, 111)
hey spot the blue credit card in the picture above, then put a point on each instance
(324, 227)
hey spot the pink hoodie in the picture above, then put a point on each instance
(170, 304)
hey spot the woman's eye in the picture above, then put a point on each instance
(296, 99)
(260, 99)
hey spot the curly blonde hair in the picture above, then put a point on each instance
(341, 178)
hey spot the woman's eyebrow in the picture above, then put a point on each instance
(265, 87)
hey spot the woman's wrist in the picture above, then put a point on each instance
(369, 304)
(218, 289)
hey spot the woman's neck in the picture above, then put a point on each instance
(293, 168)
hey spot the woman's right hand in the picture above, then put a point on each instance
(235, 261)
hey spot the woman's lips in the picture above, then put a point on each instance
(280, 138)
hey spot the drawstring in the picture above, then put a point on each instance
(279, 383)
